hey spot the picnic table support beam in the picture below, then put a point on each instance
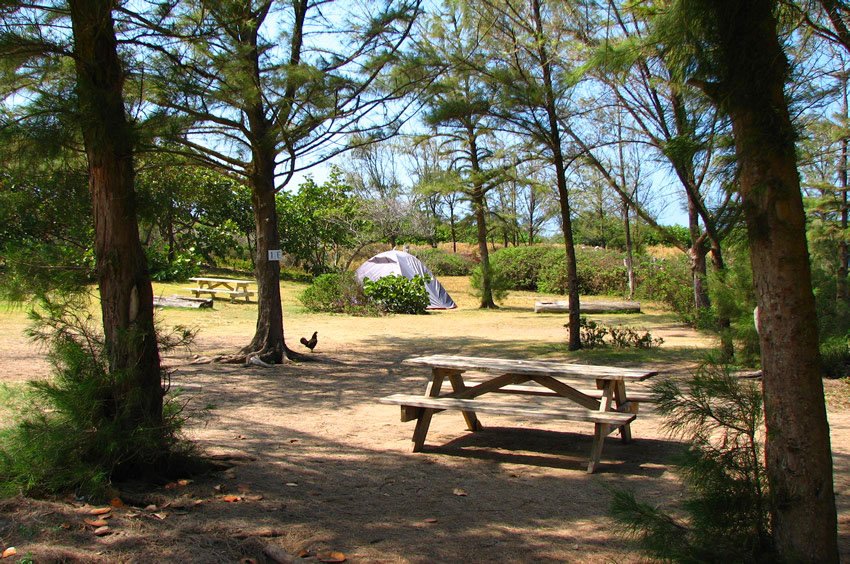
(600, 431)
(624, 405)
(424, 420)
(472, 423)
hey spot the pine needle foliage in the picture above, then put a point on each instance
(74, 436)
(720, 416)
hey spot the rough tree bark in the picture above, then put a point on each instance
(554, 135)
(479, 207)
(799, 461)
(125, 285)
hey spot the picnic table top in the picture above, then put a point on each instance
(221, 280)
(531, 367)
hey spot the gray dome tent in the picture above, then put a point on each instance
(399, 263)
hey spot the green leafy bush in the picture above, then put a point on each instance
(444, 263)
(397, 294)
(184, 266)
(499, 283)
(626, 337)
(600, 272)
(520, 267)
(723, 470)
(71, 438)
(835, 355)
(668, 281)
(337, 292)
(592, 335)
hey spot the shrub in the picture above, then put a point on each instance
(443, 263)
(626, 337)
(723, 471)
(184, 266)
(835, 355)
(335, 293)
(71, 438)
(498, 283)
(668, 281)
(397, 294)
(520, 267)
(592, 335)
(600, 272)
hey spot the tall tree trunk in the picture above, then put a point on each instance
(126, 296)
(630, 267)
(696, 254)
(268, 341)
(554, 141)
(799, 460)
(480, 209)
(842, 293)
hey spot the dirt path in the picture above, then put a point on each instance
(319, 467)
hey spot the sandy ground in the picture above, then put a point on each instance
(317, 467)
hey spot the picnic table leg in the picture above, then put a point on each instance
(621, 400)
(424, 419)
(456, 379)
(601, 430)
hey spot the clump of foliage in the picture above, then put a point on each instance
(521, 267)
(668, 281)
(592, 333)
(499, 283)
(626, 337)
(835, 356)
(733, 297)
(71, 438)
(593, 336)
(181, 266)
(397, 294)
(336, 292)
(443, 263)
(723, 471)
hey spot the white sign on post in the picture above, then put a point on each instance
(275, 255)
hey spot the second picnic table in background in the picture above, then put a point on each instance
(233, 288)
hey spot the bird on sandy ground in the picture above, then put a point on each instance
(311, 344)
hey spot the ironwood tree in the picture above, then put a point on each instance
(36, 43)
(260, 90)
(723, 46)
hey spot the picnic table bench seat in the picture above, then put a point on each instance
(233, 294)
(604, 421)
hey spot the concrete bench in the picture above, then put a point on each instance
(415, 407)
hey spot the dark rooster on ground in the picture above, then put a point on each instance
(311, 344)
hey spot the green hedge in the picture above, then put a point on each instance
(521, 267)
(600, 272)
(444, 263)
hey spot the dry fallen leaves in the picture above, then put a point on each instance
(331, 557)
(460, 492)
(100, 511)
(430, 519)
(231, 498)
(95, 522)
(102, 531)
(11, 551)
(116, 502)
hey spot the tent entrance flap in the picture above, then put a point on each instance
(399, 263)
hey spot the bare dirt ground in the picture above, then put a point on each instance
(318, 468)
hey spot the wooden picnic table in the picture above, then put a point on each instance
(609, 406)
(231, 287)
